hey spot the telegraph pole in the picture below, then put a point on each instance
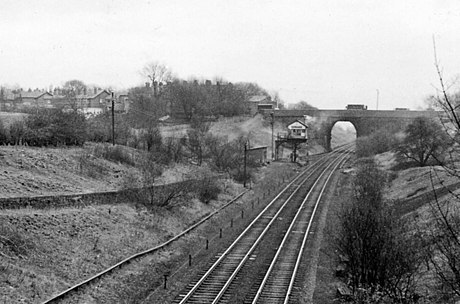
(273, 122)
(113, 120)
(245, 151)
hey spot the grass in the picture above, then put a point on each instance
(116, 153)
(9, 118)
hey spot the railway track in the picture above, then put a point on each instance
(294, 207)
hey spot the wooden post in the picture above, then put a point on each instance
(245, 150)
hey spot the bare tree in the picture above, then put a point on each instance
(156, 72)
(424, 140)
(302, 105)
(382, 260)
(196, 138)
(445, 231)
(71, 89)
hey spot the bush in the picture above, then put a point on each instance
(12, 242)
(425, 140)
(115, 154)
(208, 189)
(382, 258)
(4, 136)
(53, 127)
(100, 128)
(89, 166)
(17, 132)
(378, 142)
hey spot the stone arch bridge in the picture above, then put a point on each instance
(364, 121)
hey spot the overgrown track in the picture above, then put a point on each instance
(68, 292)
(221, 282)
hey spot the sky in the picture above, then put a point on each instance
(329, 53)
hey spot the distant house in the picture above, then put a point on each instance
(29, 99)
(260, 102)
(122, 103)
(97, 103)
(8, 101)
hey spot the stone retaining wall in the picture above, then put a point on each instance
(85, 199)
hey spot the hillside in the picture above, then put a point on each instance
(45, 251)
(28, 171)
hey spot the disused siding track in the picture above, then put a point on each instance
(68, 292)
(218, 282)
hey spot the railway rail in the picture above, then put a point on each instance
(295, 204)
(69, 291)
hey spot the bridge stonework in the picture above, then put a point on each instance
(364, 121)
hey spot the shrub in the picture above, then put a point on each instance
(98, 129)
(55, 127)
(378, 142)
(382, 258)
(13, 242)
(114, 153)
(89, 166)
(17, 132)
(425, 140)
(4, 136)
(208, 189)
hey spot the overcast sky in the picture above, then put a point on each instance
(328, 53)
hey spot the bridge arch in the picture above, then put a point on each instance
(331, 122)
(342, 132)
(364, 121)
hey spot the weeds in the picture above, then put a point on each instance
(12, 242)
(115, 154)
(88, 165)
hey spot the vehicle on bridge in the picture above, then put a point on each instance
(356, 107)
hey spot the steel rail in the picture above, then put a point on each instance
(248, 228)
(106, 271)
(288, 234)
(73, 288)
(299, 258)
(229, 281)
(227, 251)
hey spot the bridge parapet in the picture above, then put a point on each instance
(364, 121)
(353, 113)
